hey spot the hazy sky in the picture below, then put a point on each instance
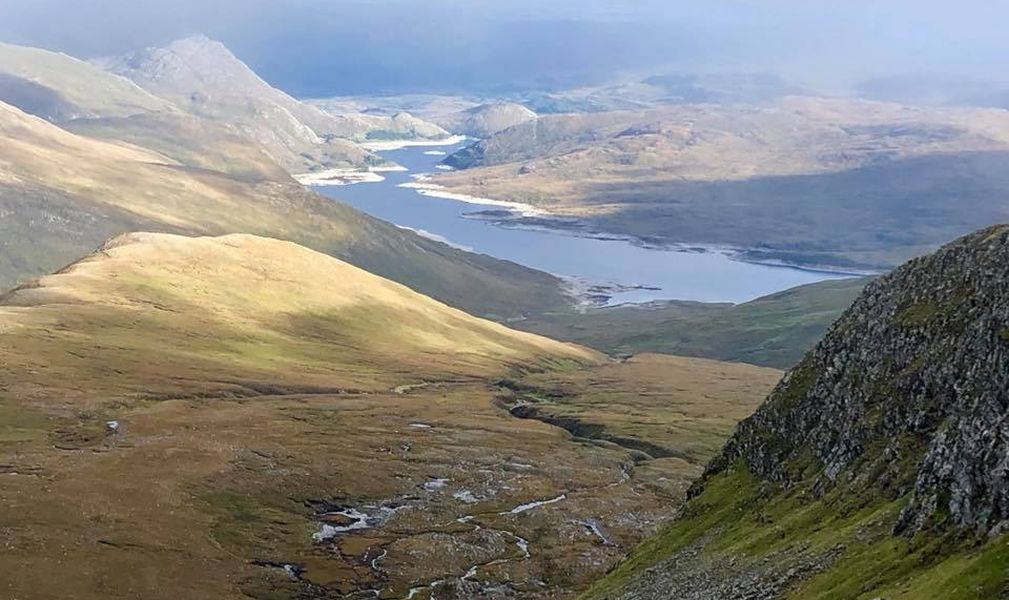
(322, 47)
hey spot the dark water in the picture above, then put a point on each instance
(702, 276)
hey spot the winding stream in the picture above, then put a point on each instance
(359, 520)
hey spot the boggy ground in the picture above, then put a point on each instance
(238, 417)
(220, 498)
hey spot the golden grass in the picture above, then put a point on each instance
(168, 308)
(252, 377)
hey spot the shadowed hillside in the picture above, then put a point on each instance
(64, 194)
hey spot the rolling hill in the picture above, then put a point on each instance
(875, 469)
(63, 194)
(58, 87)
(306, 310)
(814, 181)
(226, 417)
(484, 120)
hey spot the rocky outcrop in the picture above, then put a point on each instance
(908, 394)
(875, 464)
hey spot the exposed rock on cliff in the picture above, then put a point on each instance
(877, 468)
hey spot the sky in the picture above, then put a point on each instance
(334, 47)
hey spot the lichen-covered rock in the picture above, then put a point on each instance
(908, 394)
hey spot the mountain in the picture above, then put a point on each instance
(876, 468)
(64, 194)
(59, 88)
(81, 97)
(204, 78)
(832, 182)
(485, 120)
(773, 331)
(226, 417)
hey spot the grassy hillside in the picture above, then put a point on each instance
(64, 194)
(874, 469)
(774, 331)
(807, 180)
(72, 87)
(188, 140)
(197, 417)
(261, 304)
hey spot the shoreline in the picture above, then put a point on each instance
(422, 186)
(387, 145)
(346, 176)
(546, 221)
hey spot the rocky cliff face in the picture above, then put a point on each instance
(908, 393)
(877, 468)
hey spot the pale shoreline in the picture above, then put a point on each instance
(424, 187)
(337, 177)
(437, 191)
(383, 146)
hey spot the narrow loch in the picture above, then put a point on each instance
(628, 272)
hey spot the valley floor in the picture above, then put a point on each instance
(431, 491)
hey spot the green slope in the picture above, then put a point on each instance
(772, 331)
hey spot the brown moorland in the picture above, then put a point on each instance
(234, 417)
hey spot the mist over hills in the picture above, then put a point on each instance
(218, 383)
(447, 46)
